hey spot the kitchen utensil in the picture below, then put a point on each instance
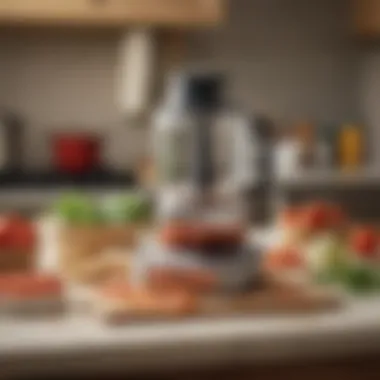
(136, 65)
(203, 150)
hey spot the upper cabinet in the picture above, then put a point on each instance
(366, 14)
(111, 13)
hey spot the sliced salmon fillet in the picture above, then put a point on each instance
(195, 281)
(29, 286)
(145, 301)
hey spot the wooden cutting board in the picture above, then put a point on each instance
(271, 297)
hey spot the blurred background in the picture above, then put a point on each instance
(138, 113)
(308, 67)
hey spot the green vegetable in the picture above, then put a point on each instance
(75, 208)
(129, 208)
(328, 259)
(361, 279)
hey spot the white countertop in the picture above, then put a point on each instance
(81, 342)
(42, 344)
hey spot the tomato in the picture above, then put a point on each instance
(316, 216)
(8, 224)
(364, 242)
(22, 236)
(4, 232)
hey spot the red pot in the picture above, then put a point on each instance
(75, 153)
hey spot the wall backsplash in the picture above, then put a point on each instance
(291, 59)
(65, 81)
(370, 96)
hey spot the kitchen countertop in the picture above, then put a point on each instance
(79, 342)
(52, 345)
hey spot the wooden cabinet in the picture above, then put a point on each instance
(111, 13)
(366, 15)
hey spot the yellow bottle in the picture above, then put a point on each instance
(350, 147)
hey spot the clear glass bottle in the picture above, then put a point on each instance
(172, 136)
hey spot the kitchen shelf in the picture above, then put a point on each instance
(36, 190)
(334, 178)
(39, 180)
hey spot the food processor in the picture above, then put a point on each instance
(201, 240)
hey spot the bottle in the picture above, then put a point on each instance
(288, 154)
(171, 135)
(172, 149)
(350, 147)
(324, 154)
(329, 135)
(305, 134)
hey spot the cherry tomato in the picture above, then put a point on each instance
(364, 242)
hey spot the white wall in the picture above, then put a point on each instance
(289, 58)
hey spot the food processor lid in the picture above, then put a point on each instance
(204, 91)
